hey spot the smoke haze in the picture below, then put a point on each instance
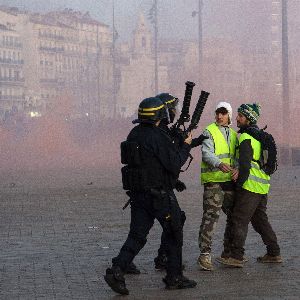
(237, 42)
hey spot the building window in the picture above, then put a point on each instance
(17, 75)
(144, 43)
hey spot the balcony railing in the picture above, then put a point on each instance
(12, 98)
(11, 45)
(54, 81)
(52, 49)
(12, 80)
(11, 61)
(51, 36)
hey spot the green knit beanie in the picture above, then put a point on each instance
(250, 111)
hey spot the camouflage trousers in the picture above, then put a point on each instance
(215, 199)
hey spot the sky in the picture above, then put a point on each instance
(243, 21)
(175, 17)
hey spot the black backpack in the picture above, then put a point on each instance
(268, 158)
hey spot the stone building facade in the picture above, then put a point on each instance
(12, 95)
(137, 76)
(61, 53)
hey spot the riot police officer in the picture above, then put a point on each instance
(172, 104)
(152, 166)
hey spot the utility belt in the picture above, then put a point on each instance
(161, 200)
(167, 207)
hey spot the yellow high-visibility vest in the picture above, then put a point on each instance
(258, 181)
(225, 152)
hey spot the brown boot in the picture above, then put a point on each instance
(232, 262)
(245, 259)
(270, 259)
(221, 258)
(204, 261)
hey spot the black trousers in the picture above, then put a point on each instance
(143, 214)
(251, 207)
(163, 248)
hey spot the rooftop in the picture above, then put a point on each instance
(77, 16)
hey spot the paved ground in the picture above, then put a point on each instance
(60, 230)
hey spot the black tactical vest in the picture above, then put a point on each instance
(143, 169)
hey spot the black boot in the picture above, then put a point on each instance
(161, 262)
(179, 282)
(132, 269)
(115, 279)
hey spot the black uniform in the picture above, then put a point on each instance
(152, 164)
(161, 259)
(152, 195)
(177, 140)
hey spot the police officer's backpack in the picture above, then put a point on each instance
(132, 175)
(268, 159)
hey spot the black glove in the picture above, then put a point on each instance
(180, 186)
(198, 141)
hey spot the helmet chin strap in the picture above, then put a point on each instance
(168, 115)
(172, 117)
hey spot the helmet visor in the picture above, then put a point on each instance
(177, 109)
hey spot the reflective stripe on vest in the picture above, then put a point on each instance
(225, 152)
(258, 181)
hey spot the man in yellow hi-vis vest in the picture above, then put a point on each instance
(252, 187)
(218, 161)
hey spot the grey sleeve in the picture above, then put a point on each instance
(208, 151)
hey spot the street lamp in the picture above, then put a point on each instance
(194, 13)
(285, 75)
(114, 61)
(153, 19)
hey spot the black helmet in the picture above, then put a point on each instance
(171, 102)
(151, 110)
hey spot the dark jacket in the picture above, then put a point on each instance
(161, 159)
(245, 156)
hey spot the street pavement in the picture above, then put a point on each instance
(60, 229)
